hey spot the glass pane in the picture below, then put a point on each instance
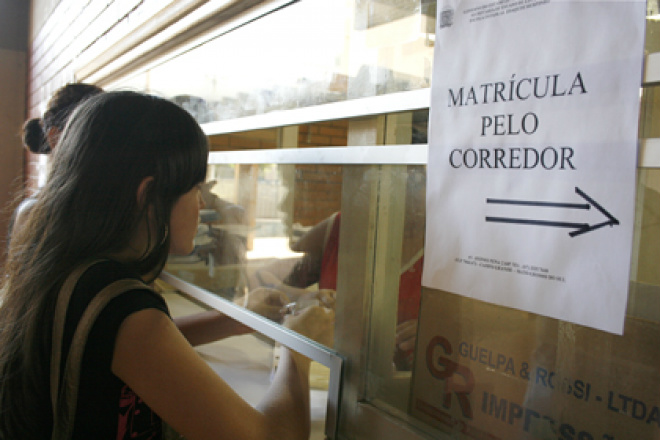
(250, 140)
(318, 134)
(393, 199)
(254, 231)
(359, 49)
(275, 227)
(650, 112)
(646, 255)
(397, 287)
(652, 26)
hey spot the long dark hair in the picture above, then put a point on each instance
(88, 209)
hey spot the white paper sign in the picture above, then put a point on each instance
(533, 155)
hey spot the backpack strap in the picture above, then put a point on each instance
(64, 395)
(59, 319)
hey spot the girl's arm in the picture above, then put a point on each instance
(157, 362)
(204, 327)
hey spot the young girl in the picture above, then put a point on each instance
(121, 195)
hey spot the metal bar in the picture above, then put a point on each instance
(380, 155)
(295, 341)
(414, 154)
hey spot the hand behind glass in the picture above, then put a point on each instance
(314, 322)
(266, 302)
(326, 297)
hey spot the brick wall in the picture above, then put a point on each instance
(318, 187)
(251, 140)
(317, 193)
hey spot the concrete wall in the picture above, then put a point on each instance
(13, 56)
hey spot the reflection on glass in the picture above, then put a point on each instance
(359, 49)
(250, 140)
(650, 112)
(412, 258)
(318, 134)
(652, 26)
(649, 227)
(269, 240)
(644, 298)
(247, 244)
(396, 303)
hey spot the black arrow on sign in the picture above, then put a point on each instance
(580, 228)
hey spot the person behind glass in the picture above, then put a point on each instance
(40, 135)
(320, 264)
(123, 192)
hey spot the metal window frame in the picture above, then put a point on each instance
(415, 154)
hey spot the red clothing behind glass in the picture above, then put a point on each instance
(410, 284)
